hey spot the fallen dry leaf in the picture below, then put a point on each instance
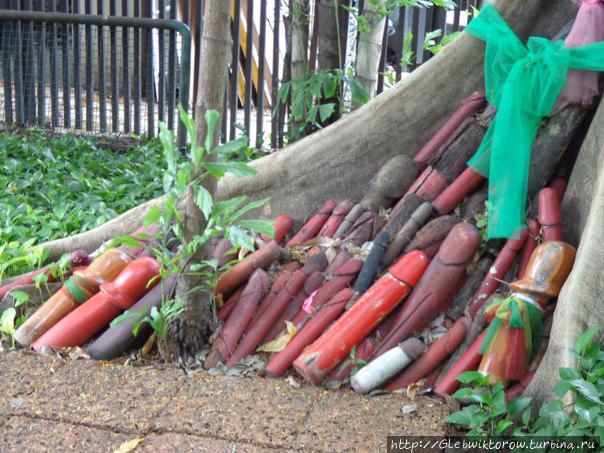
(279, 343)
(331, 253)
(71, 352)
(414, 388)
(129, 445)
(242, 253)
(146, 349)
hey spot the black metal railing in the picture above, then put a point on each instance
(122, 66)
(253, 83)
(93, 72)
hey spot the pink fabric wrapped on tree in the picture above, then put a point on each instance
(582, 86)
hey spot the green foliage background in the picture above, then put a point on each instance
(56, 187)
(51, 188)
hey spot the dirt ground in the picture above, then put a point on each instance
(54, 404)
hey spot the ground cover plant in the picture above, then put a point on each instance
(576, 412)
(56, 187)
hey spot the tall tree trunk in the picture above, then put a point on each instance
(189, 330)
(287, 72)
(330, 31)
(314, 29)
(330, 37)
(369, 50)
(300, 15)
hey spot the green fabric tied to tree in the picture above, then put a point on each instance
(523, 83)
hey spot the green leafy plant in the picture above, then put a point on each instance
(408, 53)
(352, 361)
(482, 221)
(31, 256)
(316, 98)
(488, 415)
(10, 320)
(17, 258)
(224, 218)
(586, 385)
(491, 415)
(56, 187)
(431, 45)
(158, 319)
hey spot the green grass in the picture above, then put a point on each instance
(51, 188)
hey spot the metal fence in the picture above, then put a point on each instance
(122, 66)
(253, 83)
(92, 72)
(419, 22)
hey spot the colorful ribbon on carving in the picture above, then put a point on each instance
(513, 335)
(79, 289)
(523, 83)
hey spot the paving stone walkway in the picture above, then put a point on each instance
(51, 404)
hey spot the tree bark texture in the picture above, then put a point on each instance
(331, 17)
(369, 50)
(300, 13)
(331, 35)
(189, 330)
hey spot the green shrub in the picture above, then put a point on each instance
(490, 415)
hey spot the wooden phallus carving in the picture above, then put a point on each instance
(310, 332)
(388, 185)
(238, 320)
(241, 271)
(283, 225)
(406, 233)
(115, 341)
(335, 220)
(318, 359)
(80, 287)
(433, 357)
(500, 266)
(370, 266)
(515, 330)
(468, 362)
(472, 104)
(529, 246)
(269, 316)
(313, 226)
(430, 237)
(433, 292)
(137, 278)
(550, 215)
